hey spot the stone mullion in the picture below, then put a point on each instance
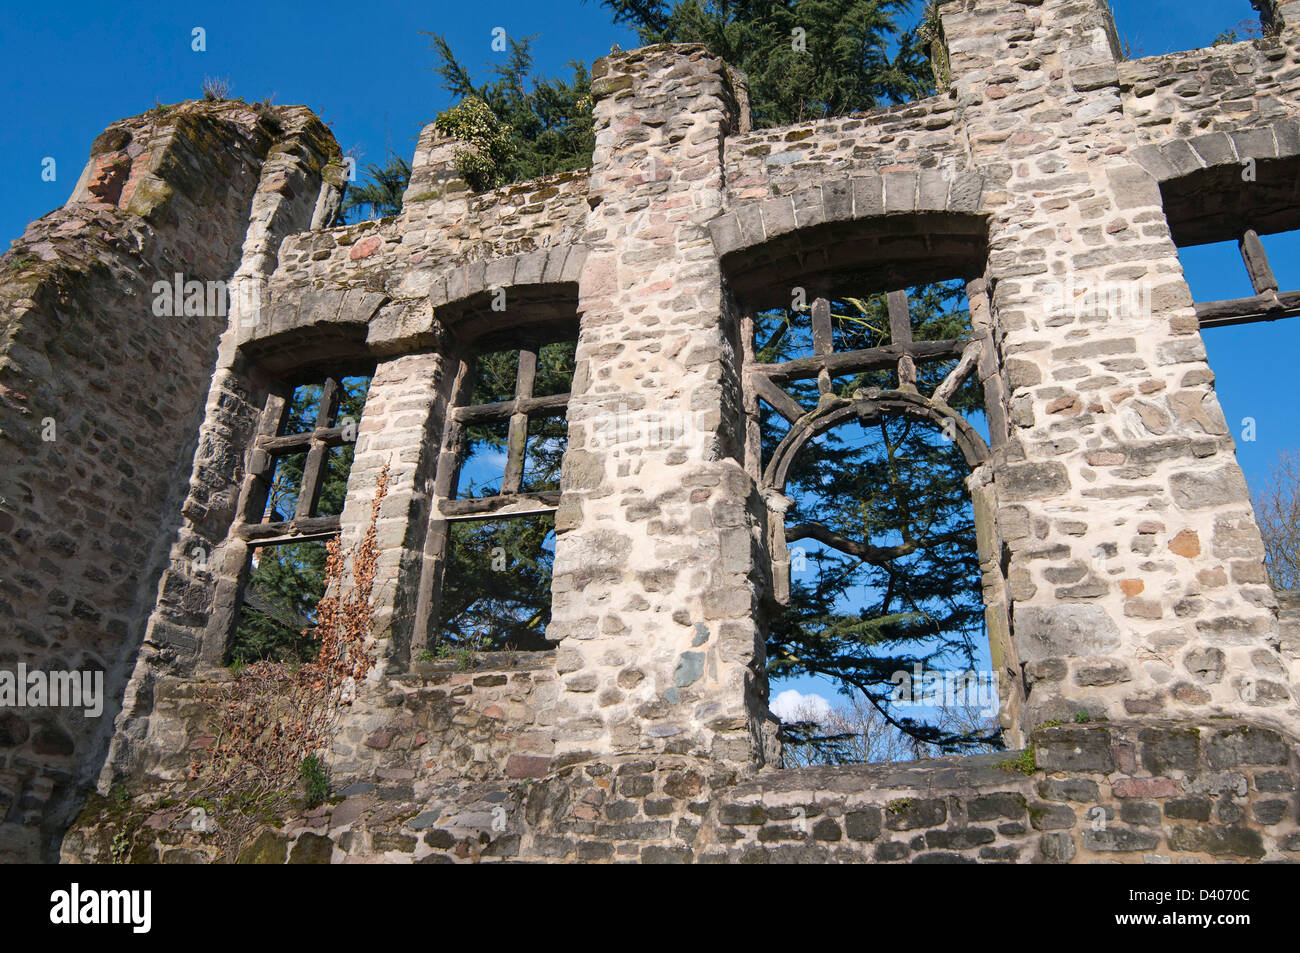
(655, 592)
(405, 410)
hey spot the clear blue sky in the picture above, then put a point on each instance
(67, 70)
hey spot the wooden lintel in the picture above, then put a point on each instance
(853, 362)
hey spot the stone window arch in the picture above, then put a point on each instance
(290, 522)
(531, 328)
(878, 257)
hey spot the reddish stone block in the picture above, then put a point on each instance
(365, 248)
(527, 766)
(1186, 544)
(1145, 787)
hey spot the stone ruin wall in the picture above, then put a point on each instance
(1122, 566)
(203, 191)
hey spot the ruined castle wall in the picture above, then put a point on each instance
(1163, 793)
(917, 135)
(1241, 86)
(1162, 608)
(403, 256)
(433, 723)
(89, 513)
(1122, 565)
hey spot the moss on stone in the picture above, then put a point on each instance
(150, 199)
(267, 848)
(1026, 764)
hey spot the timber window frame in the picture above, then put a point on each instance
(269, 445)
(1267, 304)
(512, 500)
(519, 412)
(974, 354)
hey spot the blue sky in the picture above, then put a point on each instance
(67, 70)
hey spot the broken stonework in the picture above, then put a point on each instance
(1120, 563)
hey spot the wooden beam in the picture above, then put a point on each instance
(261, 465)
(313, 471)
(868, 359)
(823, 339)
(1269, 307)
(300, 442)
(289, 531)
(900, 332)
(517, 436)
(779, 400)
(329, 403)
(900, 318)
(516, 451)
(506, 504)
(1256, 259)
(555, 405)
(526, 374)
(313, 477)
(957, 376)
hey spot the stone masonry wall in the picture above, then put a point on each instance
(434, 724)
(89, 500)
(917, 135)
(1183, 793)
(1162, 607)
(1240, 86)
(656, 587)
(1123, 566)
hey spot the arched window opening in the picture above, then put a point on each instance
(870, 418)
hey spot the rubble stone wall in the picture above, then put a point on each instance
(101, 397)
(1164, 793)
(1122, 566)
